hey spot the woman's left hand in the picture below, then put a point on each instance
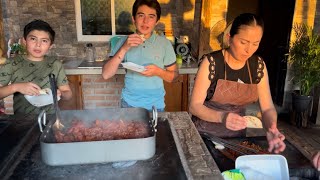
(275, 140)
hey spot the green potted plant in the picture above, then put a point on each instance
(304, 60)
(17, 48)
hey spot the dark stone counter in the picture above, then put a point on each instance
(164, 165)
(15, 134)
(180, 154)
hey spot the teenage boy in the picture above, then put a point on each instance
(28, 74)
(144, 89)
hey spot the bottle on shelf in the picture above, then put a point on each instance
(90, 54)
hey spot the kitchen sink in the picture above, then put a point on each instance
(96, 64)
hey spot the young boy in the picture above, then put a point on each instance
(28, 74)
(144, 89)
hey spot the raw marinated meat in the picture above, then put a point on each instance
(101, 130)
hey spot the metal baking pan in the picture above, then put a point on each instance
(70, 153)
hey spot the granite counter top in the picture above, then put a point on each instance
(72, 68)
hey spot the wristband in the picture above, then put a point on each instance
(224, 117)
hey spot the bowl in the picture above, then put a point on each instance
(263, 167)
(42, 99)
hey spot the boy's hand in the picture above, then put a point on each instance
(27, 88)
(133, 40)
(151, 70)
(58, 93)
(316, 160)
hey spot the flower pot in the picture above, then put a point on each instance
(301, 107)
(301, 103)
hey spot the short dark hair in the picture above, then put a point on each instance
(248, 19)
(150, 3)
(40, 25)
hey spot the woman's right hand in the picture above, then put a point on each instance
(235, 122)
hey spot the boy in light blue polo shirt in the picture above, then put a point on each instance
(144, 89)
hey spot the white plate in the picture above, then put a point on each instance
(42, 99)
(273, 166)
(253, 122)
(133, 66)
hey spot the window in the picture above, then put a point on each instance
(99, 20)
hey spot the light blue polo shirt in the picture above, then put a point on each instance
(139, 90)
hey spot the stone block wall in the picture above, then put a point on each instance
(60, 14)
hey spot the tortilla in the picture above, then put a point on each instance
(142, 37)
(253, 122)
(43, 91)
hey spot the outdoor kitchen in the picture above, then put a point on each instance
(96, 133)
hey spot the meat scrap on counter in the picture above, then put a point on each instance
(102, 130)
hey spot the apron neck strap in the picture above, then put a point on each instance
(249, 71)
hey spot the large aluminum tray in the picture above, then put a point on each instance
(55, 154)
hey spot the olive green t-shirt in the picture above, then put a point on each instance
(20, 69)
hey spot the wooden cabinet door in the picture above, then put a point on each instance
(176, 98)
(76, 101)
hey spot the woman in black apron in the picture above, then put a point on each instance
(230, 79)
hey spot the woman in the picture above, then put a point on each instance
(229, 79)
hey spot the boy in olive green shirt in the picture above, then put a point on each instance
(28, 74)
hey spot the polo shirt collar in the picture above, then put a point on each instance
(152, 38)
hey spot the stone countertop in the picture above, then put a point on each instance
(72, 68)
(195, 157)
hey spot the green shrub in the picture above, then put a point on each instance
(304, 58)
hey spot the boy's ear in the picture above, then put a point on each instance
(228, 36)
(133, 20)
(51, 46)
(24, 42)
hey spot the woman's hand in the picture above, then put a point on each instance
(275, 140)
(316, 160)
(235, 122)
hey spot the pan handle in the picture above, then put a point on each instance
(42, 116)
(154, 118)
